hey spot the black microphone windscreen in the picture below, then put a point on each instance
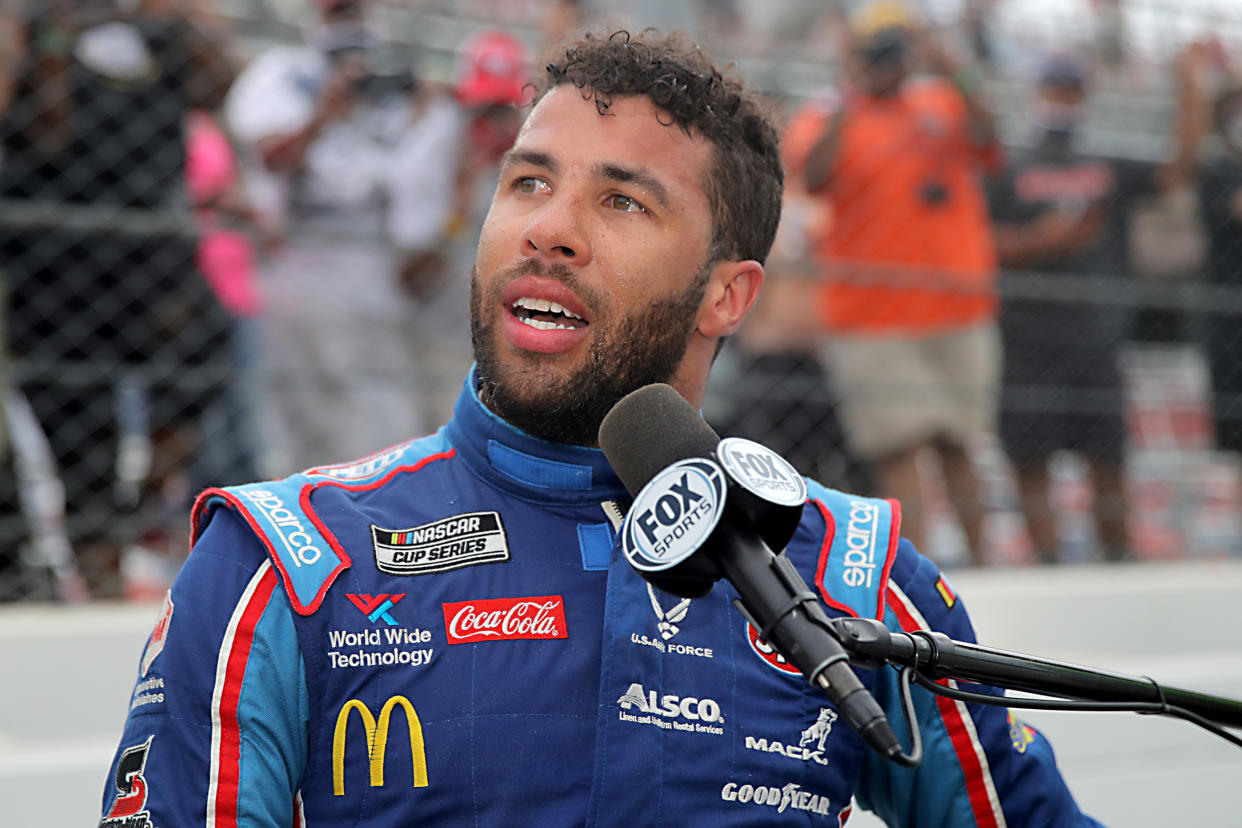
(649, 429)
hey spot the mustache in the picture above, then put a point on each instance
(534, 267)
(557, 272)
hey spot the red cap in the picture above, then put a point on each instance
(492, 68)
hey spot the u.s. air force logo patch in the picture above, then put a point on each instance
(462, 540)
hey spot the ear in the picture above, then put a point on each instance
(731, 292)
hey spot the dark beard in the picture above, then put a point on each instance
(647, 346)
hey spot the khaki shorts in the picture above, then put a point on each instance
(895, 393)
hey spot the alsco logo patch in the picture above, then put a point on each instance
(462, 540)
(376, 607)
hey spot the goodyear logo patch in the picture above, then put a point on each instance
(452, 543)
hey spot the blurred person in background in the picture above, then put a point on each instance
(116, 332)
(908, 263)
(772, 387)
(231, 235)
(361, 166)
(1059, 210)
(1211, 88)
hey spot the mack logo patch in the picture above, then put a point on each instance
(504, 619)
(761, 471)
(375, 607)
(673, 515)
(462, 540)
(769, 654)
(810, 747)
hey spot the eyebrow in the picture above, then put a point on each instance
(532, 157)
(636, 176)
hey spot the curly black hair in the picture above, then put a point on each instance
(744, 181)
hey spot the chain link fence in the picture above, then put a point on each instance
(133, 374)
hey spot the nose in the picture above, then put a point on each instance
(555, 233)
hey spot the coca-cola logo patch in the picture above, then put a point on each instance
(505, 619)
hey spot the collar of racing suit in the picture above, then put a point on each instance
(526, 466)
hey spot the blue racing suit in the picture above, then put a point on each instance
(446, 633)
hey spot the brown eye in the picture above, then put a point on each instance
(625, 204)
(528, 184)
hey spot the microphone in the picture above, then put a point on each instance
(706, 509)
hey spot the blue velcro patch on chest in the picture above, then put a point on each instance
(306, 554)
(595, 541)
(852, 573)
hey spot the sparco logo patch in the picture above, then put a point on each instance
(762, 471)
(288, 524)
(673, 515)
(860, 538)
(462, 540)
(669, 711)
(503, 619)
(129, 810)
(782, 799)
(768, 653)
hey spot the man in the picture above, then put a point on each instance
(107, 311)
(1211, 102)
(357, 161)
(908, 304)
(1060, 210)
(445, 633)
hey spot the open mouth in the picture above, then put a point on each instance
(546, 315)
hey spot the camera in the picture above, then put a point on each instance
(384, 72)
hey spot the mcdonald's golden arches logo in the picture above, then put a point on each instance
(377, 741)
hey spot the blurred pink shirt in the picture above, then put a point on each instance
(225, 257)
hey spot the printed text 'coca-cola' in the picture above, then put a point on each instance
(504, 619)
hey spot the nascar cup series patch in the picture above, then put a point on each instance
(468, 539)
(673, 515)
(761, 471)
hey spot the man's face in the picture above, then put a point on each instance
(883, 58)
(591, 263)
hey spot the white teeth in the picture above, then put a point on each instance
(533, 304)
(546, 326)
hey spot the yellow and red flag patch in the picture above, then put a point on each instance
(946, 592)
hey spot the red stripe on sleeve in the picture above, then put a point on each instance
(894, 535)
(962, 739)
(230, 695)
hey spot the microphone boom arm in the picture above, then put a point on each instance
(936, 656)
